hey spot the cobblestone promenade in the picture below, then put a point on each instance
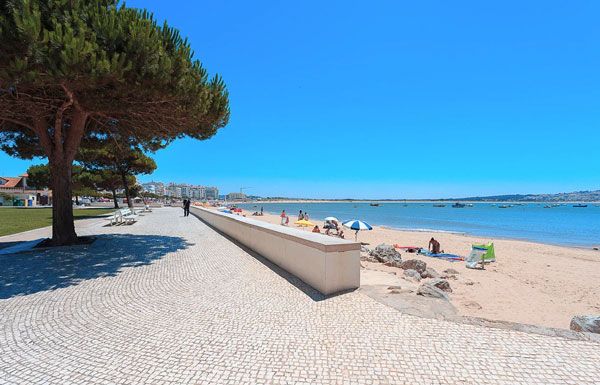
(170, 301)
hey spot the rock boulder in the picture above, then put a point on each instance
(414, 264)
(451, 271)
(410, 273)
(428, 290)
(430, 273)
(441, 284)
(386, 254)
(586, 323)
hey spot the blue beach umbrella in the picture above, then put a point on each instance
(357, 225)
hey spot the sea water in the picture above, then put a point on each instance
(562, 225)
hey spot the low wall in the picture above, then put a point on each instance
(326, 263)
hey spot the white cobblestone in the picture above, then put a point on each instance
(170, 301)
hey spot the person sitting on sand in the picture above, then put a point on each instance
(340, 233)
(434, 246)
(327, 226)
(300, 216)
(305, 216)
(316, 229)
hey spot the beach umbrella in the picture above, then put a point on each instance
(304, 223)
(357, 226)
(331, 219)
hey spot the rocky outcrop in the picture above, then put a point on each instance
(451, 271)
(586, 323)
(387, 255)
(430, 273)
(441, 284)
(413, 274)
(428, 290)
(414, 264)
(368, 258)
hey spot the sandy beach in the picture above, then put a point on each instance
(531, 283)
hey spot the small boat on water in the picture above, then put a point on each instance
(469, 204)
(458, 205)
(439, 205)
(579, 205)
(374, 204)
(504, 206)
(548, 207)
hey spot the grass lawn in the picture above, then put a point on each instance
(15, 220)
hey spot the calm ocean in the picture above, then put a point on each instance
(563, 225)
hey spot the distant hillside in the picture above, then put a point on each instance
(578, 196)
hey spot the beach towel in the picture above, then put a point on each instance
(444, 256)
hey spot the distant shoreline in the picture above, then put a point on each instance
(585, 245)
(382, 201)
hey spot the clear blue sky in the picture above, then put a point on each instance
(388, 99)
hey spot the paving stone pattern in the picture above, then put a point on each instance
(170, 301)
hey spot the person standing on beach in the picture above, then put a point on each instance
(261, 211)
(183, 206)
(283, 216)
(300, 216)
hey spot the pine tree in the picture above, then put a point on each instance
(71, 69)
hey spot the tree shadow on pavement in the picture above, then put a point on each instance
(42, 270)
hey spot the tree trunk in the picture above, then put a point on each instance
(114, 193)
(126, 188)
(63, 225)
(77, 200)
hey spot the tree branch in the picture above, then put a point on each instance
(18, 122)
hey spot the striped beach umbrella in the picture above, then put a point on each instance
(357, 226)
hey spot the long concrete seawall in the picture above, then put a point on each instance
(326, 263)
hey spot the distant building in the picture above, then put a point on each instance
(154, 188)
(236, 196)
(198, 192)
(185, 191)
(211, 193)
(14, 191)
(175, 190)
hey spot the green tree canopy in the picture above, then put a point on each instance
(75, 68)
(83, 181)
(38, 176)
(117, 156)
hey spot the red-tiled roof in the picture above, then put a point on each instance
(9, 182)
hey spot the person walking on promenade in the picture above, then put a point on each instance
(187, 207)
